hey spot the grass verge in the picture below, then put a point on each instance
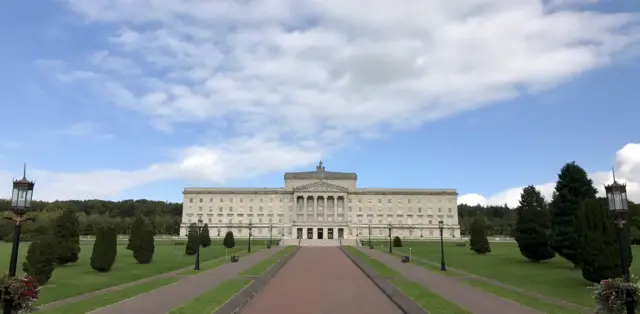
(211, 300)
(379, 267)
(262, 266)
(428, 300)
(526, 300)
(209, 265)
(109, 298)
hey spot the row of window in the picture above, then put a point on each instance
(310, 209)
(399, 220)
(359, 200)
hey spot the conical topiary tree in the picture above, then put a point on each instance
(598, 251)
(228, 242)
(105, 249)
(193, 240)
(66, 230)
(41, 258)
(137, 225)
(143, 246)
(478, 241)
(532, 226)
(397, 242)
(205, 238)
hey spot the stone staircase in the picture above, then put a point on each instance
(320, 242)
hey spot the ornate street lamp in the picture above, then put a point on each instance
(619, 207)
(270, 233)
(443, 267)
(390, 244)
(249, 247)
(370, 244)
(199, 226)
(21, 197)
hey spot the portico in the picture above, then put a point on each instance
(320, 232)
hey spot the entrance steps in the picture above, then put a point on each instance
(289, 242)
(320, 242)
(349, 242)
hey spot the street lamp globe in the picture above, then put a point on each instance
(617, 201)
(441, 224)
(22, 194)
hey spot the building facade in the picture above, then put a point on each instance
(322, 205)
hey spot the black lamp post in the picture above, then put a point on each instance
(249, 247)
(618, 205)
(390, 244)
(21, 197)
(199, 233)
(443, 267)
(370, 244)
(270, 232)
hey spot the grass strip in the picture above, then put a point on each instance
(211, 300)
(526, 300)
(109, 298)
(379, 267)
(215, 263)
(428, 265)
(425, 298)
(264, 265)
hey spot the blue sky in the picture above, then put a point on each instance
(104, 99)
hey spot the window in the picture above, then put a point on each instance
(389, 201)
(449, 210)
(230, 209)
(209, 220)
(220, 208)
(201, 200)
(221, 200)
(379, 201)
(241, 200)
(261, 200)
(419, 210)
(409, 201)
(260, 209)
(200, 208)
(211, 200)
(190, 200)
(439, 209)
(251, 209)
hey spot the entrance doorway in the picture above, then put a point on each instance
(309, 233)
(299, 230)
(330, 233)
(320, 234)
(341, 233)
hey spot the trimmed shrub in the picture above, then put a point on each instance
(41, 258)
(143, 246)
(397, 242)
(67, 234)
(105, 249)
(229, 242)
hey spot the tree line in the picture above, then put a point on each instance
(163, 217)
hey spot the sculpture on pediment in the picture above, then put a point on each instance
(320, 167)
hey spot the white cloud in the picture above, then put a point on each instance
(320, 71)
(627, 169)
(86, 129)
(240, 158)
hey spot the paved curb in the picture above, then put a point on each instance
(235, 304)
(403, 302)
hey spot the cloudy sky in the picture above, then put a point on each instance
(121, 99)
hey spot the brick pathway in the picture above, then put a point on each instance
(164, 299)
(472, 299)
(317, 281)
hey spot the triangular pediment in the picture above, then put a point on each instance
(320, 186)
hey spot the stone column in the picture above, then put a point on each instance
(315, 208)
(295, 210)
(324, 199)
(304, 210)
(335, 212)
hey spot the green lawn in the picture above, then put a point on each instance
(555, 278)
(79, 278)
(424, 297)
(264, 265)
(103, 300)
(211, 300)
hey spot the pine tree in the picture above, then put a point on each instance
(572, 188)
(229, 242)
(137, 225)
(143, 245)
(478, 241)
(397, 242)
(532, 226)
(66, 230)
(193, 240)
(598, 251)
(205, 238)
(41, 258)
(105, 249)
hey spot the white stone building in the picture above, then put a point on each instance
(322, 205)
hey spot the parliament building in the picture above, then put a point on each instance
(322, 205)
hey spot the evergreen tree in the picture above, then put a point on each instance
(532, 225)
(229, 242)
(397, 242)
(105, 249)
(66, 230)
(572, 188)
(204, 236)
(41, 258)
(478, 241)
(143, 245)
(193, 240)
(138, 225)
(598, 251)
